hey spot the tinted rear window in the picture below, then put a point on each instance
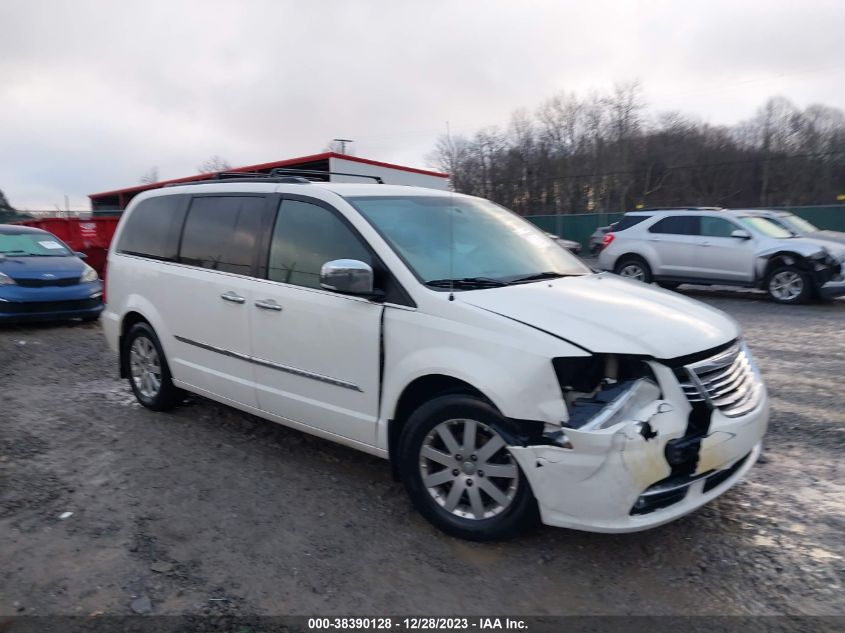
(676, 225)
(628, 221)
(152, 228)
(221, 233)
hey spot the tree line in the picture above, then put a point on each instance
(606, 152)
(8, 214)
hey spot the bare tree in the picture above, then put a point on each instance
(606, 152)
(150, 176)
(5, 205)
(8, 213)
(213, 164)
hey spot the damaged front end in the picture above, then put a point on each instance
(646, 441)
(826, 270)
(828, 274)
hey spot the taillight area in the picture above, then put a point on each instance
(607, 239)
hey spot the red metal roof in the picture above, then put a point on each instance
(280, 163)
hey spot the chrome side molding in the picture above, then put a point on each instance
(271, 365)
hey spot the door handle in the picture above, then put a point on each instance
(705, 244)
(268, 304)
(653, 239)
(233, 297)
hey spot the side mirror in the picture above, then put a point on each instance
(741, 234)
(80, 255)
(349, 276)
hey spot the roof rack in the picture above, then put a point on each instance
(242, 176)
(279, 174)
(232, 175)
(317, 172)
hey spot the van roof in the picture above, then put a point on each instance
(285, 186)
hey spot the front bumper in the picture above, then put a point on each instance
(618, 480)
(835, 287)
(53, 302)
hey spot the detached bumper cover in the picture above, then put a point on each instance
(620, 480)
(835, 287)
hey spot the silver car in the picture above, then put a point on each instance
(724, 247)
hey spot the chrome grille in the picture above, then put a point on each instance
(726, 381)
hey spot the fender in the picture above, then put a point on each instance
(137, 303)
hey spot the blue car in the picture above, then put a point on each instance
(42, 279)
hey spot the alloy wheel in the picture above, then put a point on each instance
(467, 469)
(786, 285)
(145, 367)
(632, 271)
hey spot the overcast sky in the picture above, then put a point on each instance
(93, 94)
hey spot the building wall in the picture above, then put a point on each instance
(389, 175)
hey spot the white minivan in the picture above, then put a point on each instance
(502, 378)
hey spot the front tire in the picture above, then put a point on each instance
(789, 284)
(454, 462)
(634, 267)
(149, 374)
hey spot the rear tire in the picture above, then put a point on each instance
(634, 267)
(448, 453)
(149, 374)
(789, 285)
(668, 285)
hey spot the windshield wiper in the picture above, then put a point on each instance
(538, 277)
(465, 283)
(15, 254)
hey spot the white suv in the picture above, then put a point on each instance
(499, 376)
(724, 247)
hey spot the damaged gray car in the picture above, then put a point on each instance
(800, 227)
(724, 247)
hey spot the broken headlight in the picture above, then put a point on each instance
(604, 389)
(823, 259)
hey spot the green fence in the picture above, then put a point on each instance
(831, 217)
(580, 226)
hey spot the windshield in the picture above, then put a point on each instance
(765, 226)
(490, 244)
(797, 224)
(31, 245)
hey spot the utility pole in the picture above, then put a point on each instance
(343, 142)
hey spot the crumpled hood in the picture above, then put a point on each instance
(807, 245)
(828, 236)
(605, 313)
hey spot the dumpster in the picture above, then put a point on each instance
(91, 236)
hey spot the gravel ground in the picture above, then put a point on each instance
(210, 511)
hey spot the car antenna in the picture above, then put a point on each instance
(451, 228)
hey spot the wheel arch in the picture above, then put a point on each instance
(633, 255)
(417, 392)
(129, 319)
(783, 258)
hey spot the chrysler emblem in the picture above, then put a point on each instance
(48, 276)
